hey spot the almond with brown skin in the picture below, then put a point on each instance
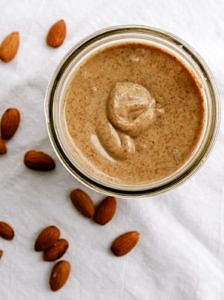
(3, 148)
(46, 238)
(6, 231)
(38, 161)
(9, 47)
(82, 202)
(105, 211)
(56, 251)
(10, 123)
(125, 243)
(59, 275)
(56, 34)
(1, 253)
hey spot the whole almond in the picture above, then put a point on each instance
(56, 34)
(1, 253)
(46, 238)
(125, 243)
(9, 47)
(6, 231)
(82, 202)
(39, 161)
(3, 148)
(56, 251)
(9, 123)
(59, 275)
(105, 211)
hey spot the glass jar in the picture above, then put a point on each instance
(113, 36)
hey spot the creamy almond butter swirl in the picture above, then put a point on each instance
(133, 113)
(130, 110)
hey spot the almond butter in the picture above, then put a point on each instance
(105, 211)
(9, 123)
(59, 275)
(125, 243)
(1, 253)
(6, 231)
(46, 238)
(56, 251)
(82, 202)
(39, 161)
(9, 47)
(56, 34)
(3, 148)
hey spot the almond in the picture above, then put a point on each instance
(6, 231)
(125, 243)
(47, 238)
(39, 161)
(82, 202)
(56, 34)
(9, 123)
(105, 211)
(9, 47)
(56, 251)
(3, 148)
(1, 253)
(59, 275)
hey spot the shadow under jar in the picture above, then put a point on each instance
(132, 111)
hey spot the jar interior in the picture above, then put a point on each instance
(81, 54)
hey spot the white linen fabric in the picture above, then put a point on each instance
(181, 252)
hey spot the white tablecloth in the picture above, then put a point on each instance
(181, 252)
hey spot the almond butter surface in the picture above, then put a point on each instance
(106, 143)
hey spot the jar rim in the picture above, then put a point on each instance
(124, 29)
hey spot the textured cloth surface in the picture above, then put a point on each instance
(181, 252)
